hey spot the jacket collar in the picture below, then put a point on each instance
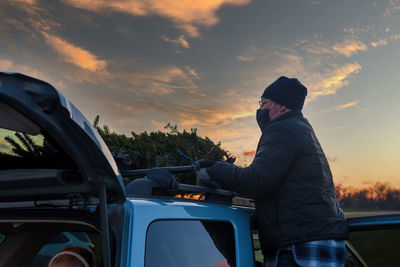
(287, 115)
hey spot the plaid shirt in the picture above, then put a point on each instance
(321, 253)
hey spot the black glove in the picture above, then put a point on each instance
(203, 178)
(230, 160)
(204, 163)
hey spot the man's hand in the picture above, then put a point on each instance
(203, 178)
(204, 163)
(230, 160)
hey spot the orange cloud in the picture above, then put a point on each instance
(329, 83)
(349, 47)
(166, 80)
(347, 105)
(250, 153)
(338, 76)
(192, 72)
(379, 43)
(344, 106)
(74, 54)
(30, 2)
(187, 15)
(5, 64)
(318, 45)
(180, 41)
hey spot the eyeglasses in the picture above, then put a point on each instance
(262, 103)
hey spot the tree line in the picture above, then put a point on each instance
(380, 196)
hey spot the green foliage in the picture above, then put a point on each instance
(158, 149)
(23, 146)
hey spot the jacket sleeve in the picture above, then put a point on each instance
(276, 151)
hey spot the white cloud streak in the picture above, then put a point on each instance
(343, 106)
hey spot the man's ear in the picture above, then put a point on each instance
(284, 109)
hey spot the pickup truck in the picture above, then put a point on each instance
(58, 176)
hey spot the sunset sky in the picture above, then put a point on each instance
(140, 64)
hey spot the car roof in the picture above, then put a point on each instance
(165, 207)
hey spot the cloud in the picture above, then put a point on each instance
(186, 15)
(6, 65)
(338, 76)
(250, 153)
(165, 80)
(393, 7)
(344, 106)
(290, 63)
(330, 82)
(10, 66)
(30, 2)
(177, 92)
(26, 19)
(74, 54)
(252, 53)
(192, 72)
(349, 47)
(317, 45)
(316, 69)
(380, 42)
(395, 37)
(347, 105)
(179, 42)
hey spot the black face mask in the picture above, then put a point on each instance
(262, 117)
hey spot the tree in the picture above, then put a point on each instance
(159, 149)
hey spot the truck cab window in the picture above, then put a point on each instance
(190, 243)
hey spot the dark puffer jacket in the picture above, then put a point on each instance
(292, 184)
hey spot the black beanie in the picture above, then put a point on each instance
(286, 91)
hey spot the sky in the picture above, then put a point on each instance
(141, 64)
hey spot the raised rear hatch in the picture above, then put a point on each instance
(48, 149)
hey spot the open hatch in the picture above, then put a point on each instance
(51, 156)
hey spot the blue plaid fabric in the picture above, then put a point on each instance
(321, 253)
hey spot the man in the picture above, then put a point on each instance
(299, 219)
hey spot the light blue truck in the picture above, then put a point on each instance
(58, 176)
